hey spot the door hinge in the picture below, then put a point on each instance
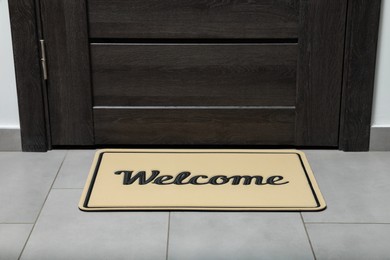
(43, 59)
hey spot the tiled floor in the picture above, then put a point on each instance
(39, 218)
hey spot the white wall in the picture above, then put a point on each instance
(9, 116)
(381, 108)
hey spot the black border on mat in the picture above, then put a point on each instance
(194, 208)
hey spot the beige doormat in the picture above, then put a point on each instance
(223, 180)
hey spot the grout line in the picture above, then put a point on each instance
(347, 223)
(66, 188)
(169, 226)
(308, 237)
(43, 204)
(16, 223)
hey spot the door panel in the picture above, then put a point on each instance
(320, 67)
(193, 19)
(69, 81)
(265, 72)
(194, 126)
(194, 74)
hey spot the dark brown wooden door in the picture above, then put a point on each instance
(261, 72)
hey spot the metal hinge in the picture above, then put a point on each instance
(43, 59)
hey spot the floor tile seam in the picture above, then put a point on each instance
(43, 204)
(16, 223)
(168, 233)
(347, 223)
(308, 237)
(67, 188)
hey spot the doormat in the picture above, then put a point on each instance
(206, 180)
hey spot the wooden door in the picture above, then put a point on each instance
(261, 72)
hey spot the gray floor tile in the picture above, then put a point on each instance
(350, 241)
(25, 180)
(355, 186)
(253, 235)
(75, 169)
(64, 232)
(12, 239)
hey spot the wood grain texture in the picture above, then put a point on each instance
(320, 63)
(194, 126)
(193, 18)
(28, 75)
(70, 97)
(194, 74)
(359, 74)
(44, 85)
